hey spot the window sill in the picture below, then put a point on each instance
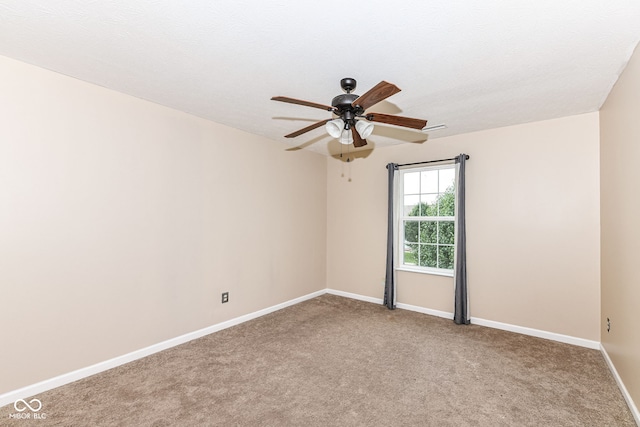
(421, 271)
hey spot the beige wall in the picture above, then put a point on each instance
(122, 221)
(620, 212)
(532, 225)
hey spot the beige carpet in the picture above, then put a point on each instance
(333, 361)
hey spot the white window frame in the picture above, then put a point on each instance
(401, 218)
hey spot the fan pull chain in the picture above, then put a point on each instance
(349, 161)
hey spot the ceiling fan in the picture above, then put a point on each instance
(349, 108)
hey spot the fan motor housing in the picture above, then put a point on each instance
(343, 102)
(344, 108)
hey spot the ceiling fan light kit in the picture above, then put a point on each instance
(335, 128)
(349, 107)
(364, 128)
(346, 137)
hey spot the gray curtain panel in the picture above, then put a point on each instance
(389, 282)
(461, 310)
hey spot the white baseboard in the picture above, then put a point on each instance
(67, 378)
(567, 339)
(398, 305)
(429, 311)
(623, 389)
(355, 296)
(481, 322)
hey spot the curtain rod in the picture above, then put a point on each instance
(432, 161)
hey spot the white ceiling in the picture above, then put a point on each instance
(472, 65)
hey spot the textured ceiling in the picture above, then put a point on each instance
(471, 65)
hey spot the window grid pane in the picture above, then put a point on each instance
(428, 256)
(445, 257)
(429, 181)
(412, 183)
(412, 205)
(446, 232)
(428, 232)
(446, 179)
(411, 231)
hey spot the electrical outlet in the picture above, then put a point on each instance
(225, 297)
(608, 324)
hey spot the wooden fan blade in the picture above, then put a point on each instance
(396, 120)
(307, 129)
(379, 92)
(301, 102)
(358, 141)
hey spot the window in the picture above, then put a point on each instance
(427, 219)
